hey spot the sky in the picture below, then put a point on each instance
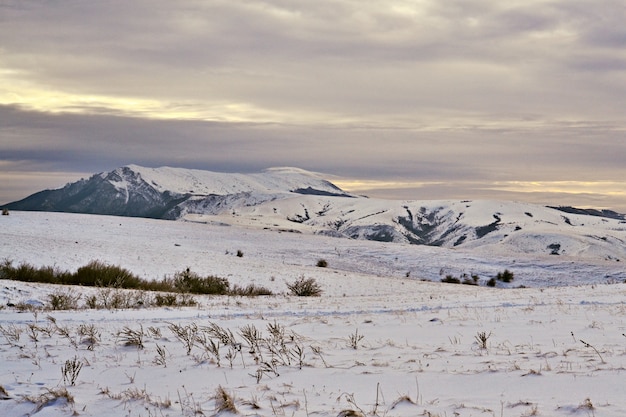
(407, 99)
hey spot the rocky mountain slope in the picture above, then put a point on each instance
(167, 193)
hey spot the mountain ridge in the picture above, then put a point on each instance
(137, 191)
(291, 199)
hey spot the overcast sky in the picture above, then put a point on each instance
(413, 99)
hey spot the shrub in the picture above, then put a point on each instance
(164, 285)
(506, 276)
(470, 280)
(29, 273)
(173, 300)
(24, 306)
(165, 300)
(132, 337)
(491, 282)
(449, 279)
(24, 272)
(111, 277)
(70, 370)
(305, 287)
(97, 273)
(482, 338)
(250, 291)
(354, 339)
(63, 300)
(89, 335)
(190, 282)
(92, 302)
(5, 269)
(116, 298)
(322, 263)
(185, 300)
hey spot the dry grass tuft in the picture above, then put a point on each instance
(350, 413)
(405, 399)
(224, 401)
(586, 405)
(49, 397)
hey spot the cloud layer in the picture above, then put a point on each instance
(472, 94)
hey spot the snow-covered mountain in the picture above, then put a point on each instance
(290, 199)
(168, 193)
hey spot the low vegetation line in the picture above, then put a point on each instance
(101, 274)
(119, 288)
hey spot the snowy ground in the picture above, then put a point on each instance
(376, 341)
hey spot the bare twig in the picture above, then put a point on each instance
(593, 347)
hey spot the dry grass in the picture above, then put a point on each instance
(50, 396)
(224, 401)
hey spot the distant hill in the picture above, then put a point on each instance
(591, 212)
(294, 200)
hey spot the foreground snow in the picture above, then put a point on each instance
(375, 342)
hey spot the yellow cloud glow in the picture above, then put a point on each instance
(60, 102)
(607, 188)
(357, 185)
(16, 90)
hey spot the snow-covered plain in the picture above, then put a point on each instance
(379, 341)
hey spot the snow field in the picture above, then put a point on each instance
(549, 351)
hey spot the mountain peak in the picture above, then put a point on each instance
(139, 191)
(202, 182)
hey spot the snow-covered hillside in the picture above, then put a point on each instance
(376, 343)
(293, 199)
(485, 227)
(154, 248)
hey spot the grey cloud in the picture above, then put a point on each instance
(316, 55)
(472, 89)
(602, 64)
(109, 141)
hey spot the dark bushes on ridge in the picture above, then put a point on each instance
(100, 274)
(28, 273)
(449, 279)
(190, 282)
(250, 291)
(506, 276)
